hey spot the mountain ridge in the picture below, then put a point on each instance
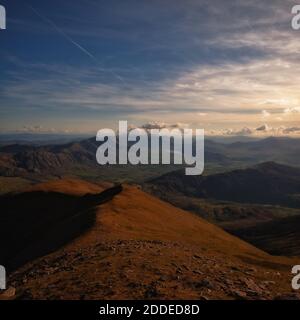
(140, 247)
(265, 183)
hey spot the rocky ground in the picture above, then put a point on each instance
(132, 269)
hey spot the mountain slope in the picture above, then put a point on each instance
(70, 186)
(141, 247)
(266, 183)
(280, 236)
(40, 220)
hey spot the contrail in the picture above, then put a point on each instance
(77, 45)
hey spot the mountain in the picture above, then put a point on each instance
(279, 236)
(251, 203)
(39, 138)
(279, 149)
(79, 159)
(70, 186)
(123, 243)
(45, 217)
(28, 159)
(266, 183)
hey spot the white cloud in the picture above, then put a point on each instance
(33, 129)
(261, 131)
(162, 125)
(244, 132)
(40, 129)
(265, 114)
(295, 130)
(291, 110)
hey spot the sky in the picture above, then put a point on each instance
(230, 67)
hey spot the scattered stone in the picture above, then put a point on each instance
(288, 296)
(238, 293)
(267, 283)
(178, 271)
(197, 272)
(8, 294)
(163, 278)
(206, 284)
(252, 286)
(151, 292)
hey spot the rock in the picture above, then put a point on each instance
(238, 293)
(179, 271)
(151, 292)
(8, 294)
(163, 278)
(288, 296)
(186, 267)
(197, 272)
(267, 283)
(134, 285)
(252, 286)
(235, 268)
(206, 284)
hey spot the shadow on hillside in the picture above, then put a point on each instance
(36, 223)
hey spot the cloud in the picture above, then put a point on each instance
(264, 128)
(295, 130)
(245, 131)
(262, 131)
(162, 125)
(238, 90)
(291, 110)
(265, 114)
(36, 128)
(39, 129)
(229, 60)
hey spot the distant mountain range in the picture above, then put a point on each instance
(28, 160)
(22, 159)
(266, 183)
(37, 139)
